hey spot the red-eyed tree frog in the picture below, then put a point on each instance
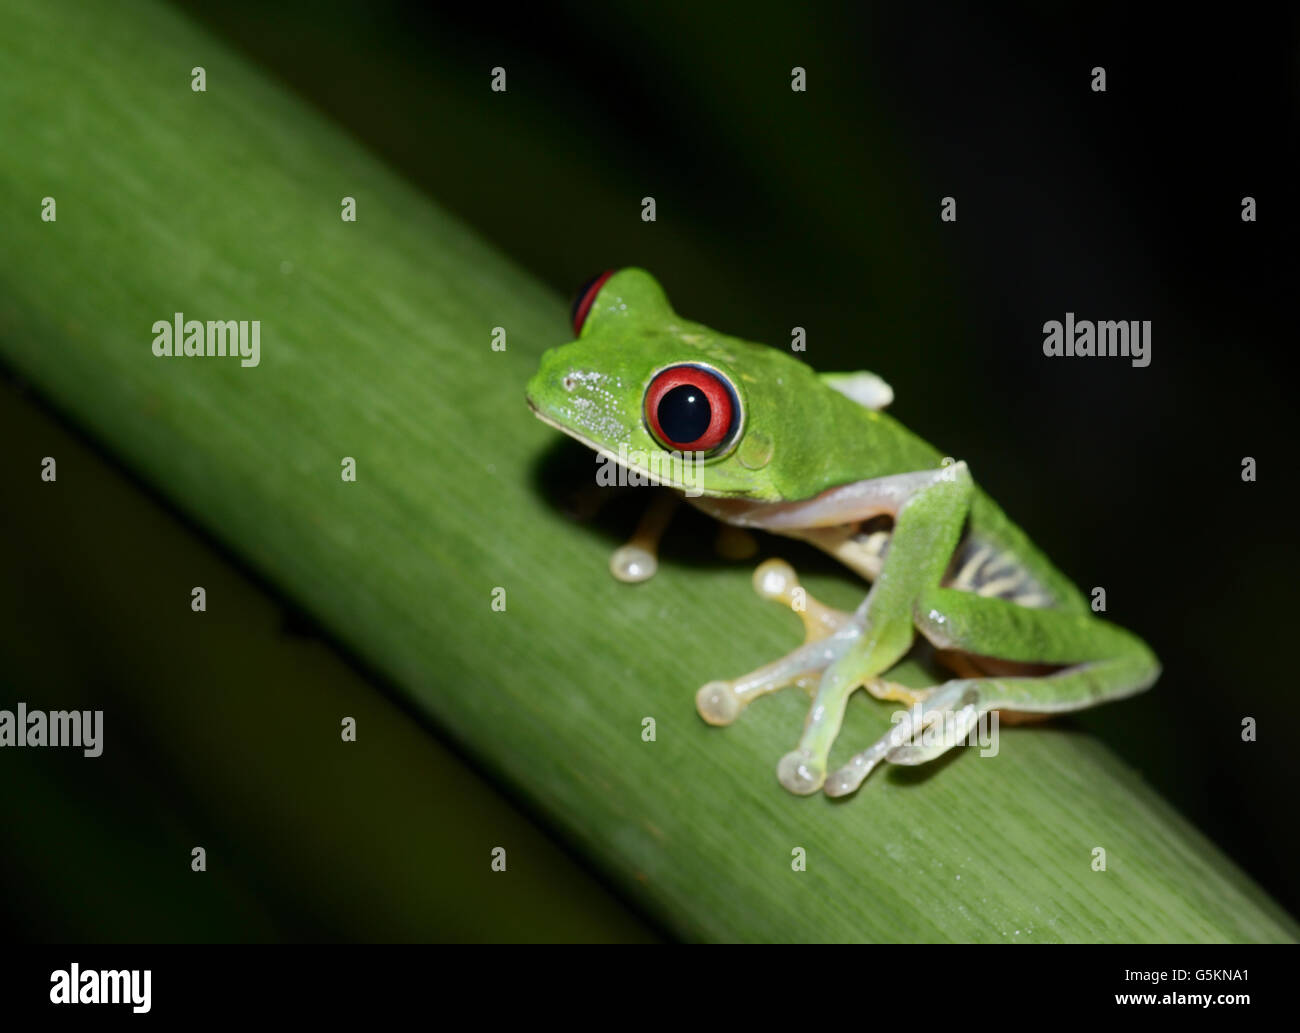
(758, 439)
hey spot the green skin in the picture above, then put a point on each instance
(810, 462)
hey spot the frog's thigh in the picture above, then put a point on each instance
(1001, 629)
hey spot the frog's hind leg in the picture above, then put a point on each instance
(720, 702)
(946, 717)
(1098, 662)
(964, 666)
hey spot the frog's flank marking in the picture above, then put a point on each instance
(992, 574)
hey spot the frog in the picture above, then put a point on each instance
(758, 439)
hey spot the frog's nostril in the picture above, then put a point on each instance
(569, 383)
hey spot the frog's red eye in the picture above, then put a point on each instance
(692, 409)
(586, 296)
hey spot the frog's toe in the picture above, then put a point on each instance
(932, 727)
(848, 778)
(718, 703)
(776, 580)
(841, 783)
(800, 772)
(633, 563)
(951, 732)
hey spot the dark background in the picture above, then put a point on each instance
(776, 209)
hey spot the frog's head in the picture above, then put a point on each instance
(676, 401)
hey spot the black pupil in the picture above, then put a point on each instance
(684, 413)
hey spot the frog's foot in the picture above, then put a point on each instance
(720, 702)
(639, 558)
(941, 720)
(776, 580)
(803, 770)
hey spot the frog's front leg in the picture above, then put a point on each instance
(927, 528)
(928, 508)
(721, 702)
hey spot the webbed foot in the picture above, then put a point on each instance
(940, 721)
(721, 702)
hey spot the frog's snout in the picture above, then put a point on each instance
(532, 390)
(555, 377)
(539, 385)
